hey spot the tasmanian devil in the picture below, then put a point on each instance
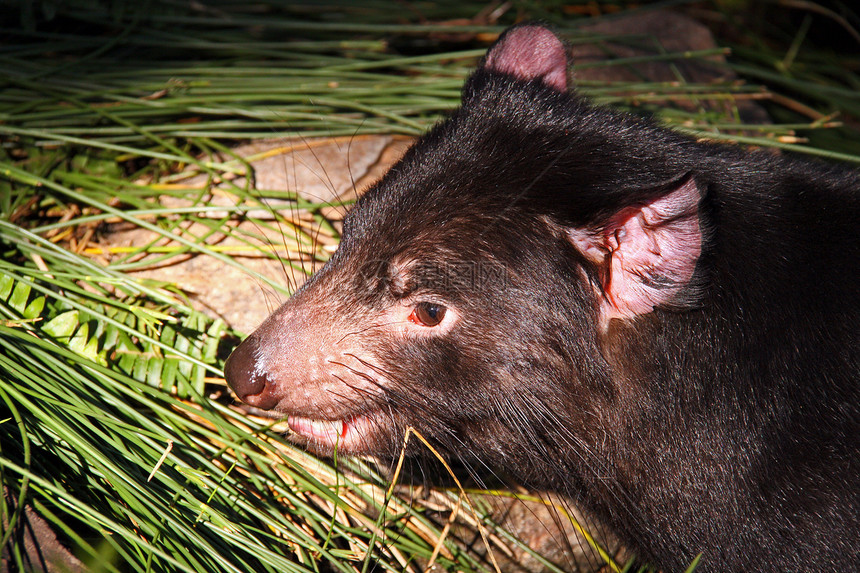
(664, 329)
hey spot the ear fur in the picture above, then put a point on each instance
(645, 254)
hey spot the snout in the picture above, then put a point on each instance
(250, 384)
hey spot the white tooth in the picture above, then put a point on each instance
(326, 426)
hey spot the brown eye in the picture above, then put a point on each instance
(427, 314)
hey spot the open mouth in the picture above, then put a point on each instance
(347, 435)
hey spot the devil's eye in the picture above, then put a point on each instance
(427, 314)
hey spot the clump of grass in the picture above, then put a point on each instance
(116, 425)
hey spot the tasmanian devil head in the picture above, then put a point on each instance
(474, 282)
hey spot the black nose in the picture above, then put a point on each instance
(243, 376)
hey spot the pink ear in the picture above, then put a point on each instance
(530, 52)
(646, 254)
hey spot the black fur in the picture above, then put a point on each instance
(724, 422)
